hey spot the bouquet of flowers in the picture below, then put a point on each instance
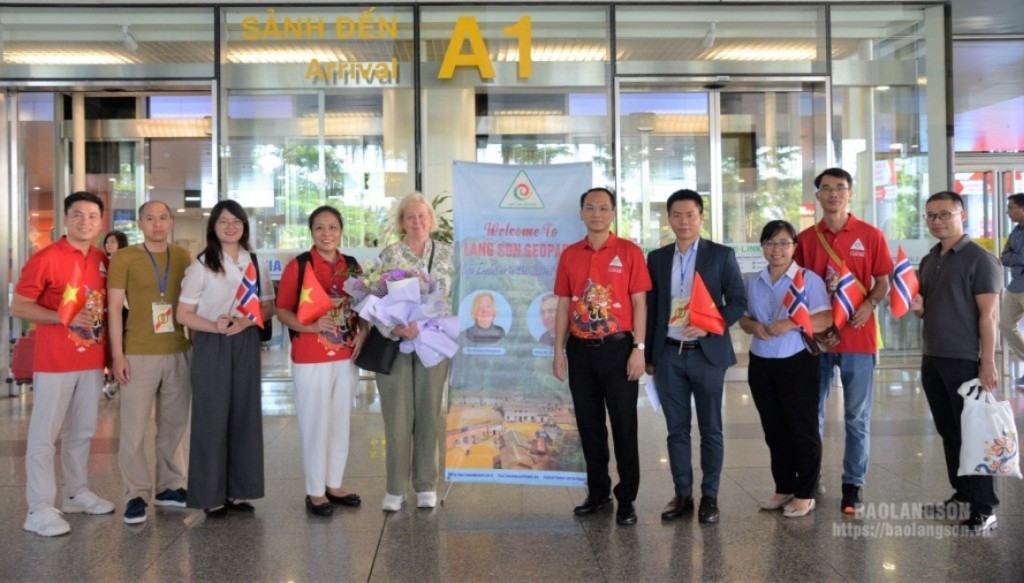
(393, 297)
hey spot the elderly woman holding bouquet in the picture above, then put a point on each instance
(411, 395)
(326, 336)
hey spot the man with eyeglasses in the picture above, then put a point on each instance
(688, 363)
(1013, 299)
(958, 303)
(602, 285)
(842, 239)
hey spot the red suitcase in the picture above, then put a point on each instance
(21, 358)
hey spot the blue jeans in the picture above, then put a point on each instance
(680, 379)
(857, 373)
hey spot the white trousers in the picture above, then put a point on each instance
(71, 400)
(323, 402)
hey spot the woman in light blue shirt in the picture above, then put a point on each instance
(783, 376)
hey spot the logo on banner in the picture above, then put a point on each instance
(521, 194)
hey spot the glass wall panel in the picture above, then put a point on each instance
(36, 133)
(889, 124)
(988, 96)
(720, 40)
(535, 93)
(108, 43)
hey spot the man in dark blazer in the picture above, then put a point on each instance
(689, 363)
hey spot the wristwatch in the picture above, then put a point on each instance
(639, 345)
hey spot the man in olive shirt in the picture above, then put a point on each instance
(150, 360)
(958, 303)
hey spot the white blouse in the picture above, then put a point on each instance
(214, 293)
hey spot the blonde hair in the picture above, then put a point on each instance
(476, 304)
(403, 205)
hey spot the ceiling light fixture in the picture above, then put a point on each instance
(709, 38)
(129, 39)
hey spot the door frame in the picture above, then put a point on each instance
(718, 85)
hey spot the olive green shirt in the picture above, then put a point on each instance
(132, 270)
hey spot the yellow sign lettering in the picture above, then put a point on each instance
(521, 30)
(466, 29)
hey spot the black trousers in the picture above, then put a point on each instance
(785, 392)
(940, 378)
(597, 380)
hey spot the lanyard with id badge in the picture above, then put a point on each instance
(679, 316)
(163, 315)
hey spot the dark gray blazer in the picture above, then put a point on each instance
(717, 266)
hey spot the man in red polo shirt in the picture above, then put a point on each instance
(68, 363)
(841, 238)
(601, 284)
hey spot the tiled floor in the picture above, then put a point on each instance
(517, 533)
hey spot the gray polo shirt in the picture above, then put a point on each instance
(948, 285)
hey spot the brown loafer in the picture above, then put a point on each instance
(677, 507)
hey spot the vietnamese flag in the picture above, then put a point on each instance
(703, 312)
(74, 297)
(313, 300)
(904, 285)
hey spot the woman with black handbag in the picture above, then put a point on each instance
(411, 395)
(322, 357)
(225, 465)
(783, 375)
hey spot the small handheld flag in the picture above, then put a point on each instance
(795, 302)
(73, 299)
(248, 296)
(847, 299)
(904, 286)
(313, 300)
(703, 312)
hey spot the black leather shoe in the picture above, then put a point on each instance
(626, 514)
(324, 509)
(677, 507)
(220, 512)
(239, 506)
(591, 505)
(351, 500)
(708, 512)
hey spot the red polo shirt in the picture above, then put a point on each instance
(600, 283)
(45, 276)
(310, 348)
(864, 251)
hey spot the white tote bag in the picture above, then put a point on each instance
(988, 434)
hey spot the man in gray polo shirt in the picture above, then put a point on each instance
(959, 300)
(1013, 299)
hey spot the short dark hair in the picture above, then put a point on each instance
(121, 238)
(82, 196)
(326, 209)
(1017, 199)
(947, 195)
(142, 207)
(684, 194)
(611, 195)
(834, 173)
(772, 228)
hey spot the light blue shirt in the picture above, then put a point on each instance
(681, 284)
(764, 304)
(1013, 257)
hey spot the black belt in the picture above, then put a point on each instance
(686, 345)
(604, 339)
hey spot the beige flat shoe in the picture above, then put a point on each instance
(794, 512)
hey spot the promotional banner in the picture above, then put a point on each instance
(509, 419)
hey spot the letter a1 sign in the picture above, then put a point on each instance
(521, 194)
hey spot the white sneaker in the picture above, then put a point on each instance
(426, 499)
(392, 502)
(46, 522)
(88, 503)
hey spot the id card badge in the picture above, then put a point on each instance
(679, 317)
(163, 318)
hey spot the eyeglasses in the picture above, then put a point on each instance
(940, 216)
(229, 223)
(778, 244)
(597, 209)
(837, 190)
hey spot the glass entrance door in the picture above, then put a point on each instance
(752, 151)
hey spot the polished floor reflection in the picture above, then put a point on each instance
(515, 533)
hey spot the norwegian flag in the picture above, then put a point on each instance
(795, 303)
(248, 296)
(847, 298)
(904, 285)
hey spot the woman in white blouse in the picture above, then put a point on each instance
(225, 467)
